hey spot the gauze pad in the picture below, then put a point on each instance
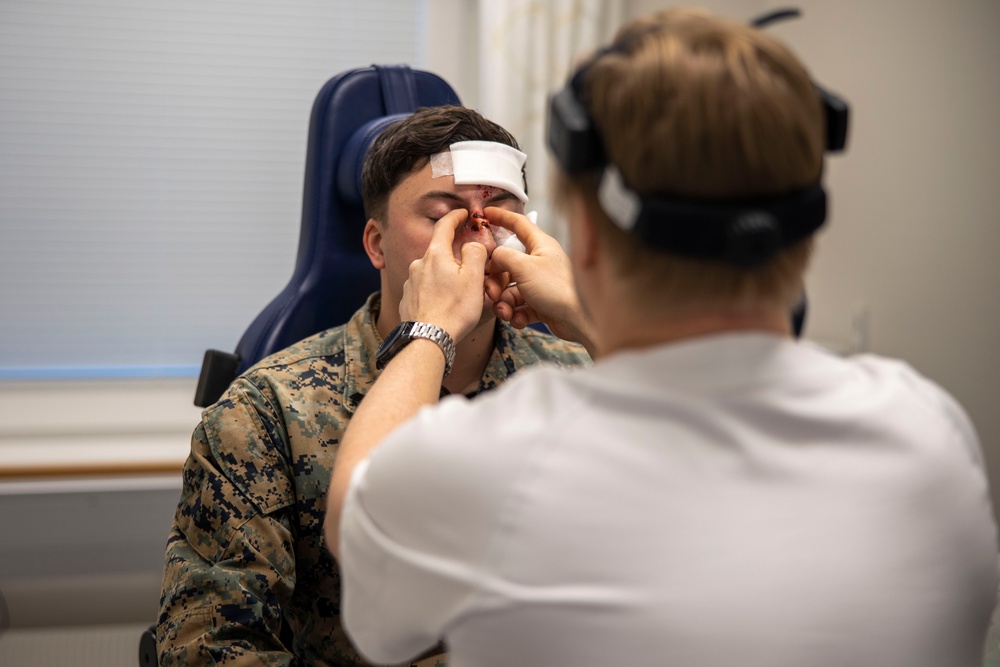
(482, 163)
(507, 239)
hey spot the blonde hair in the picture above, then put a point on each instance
(694, 107)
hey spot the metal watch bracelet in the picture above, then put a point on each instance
(439, 336)
(404, 333)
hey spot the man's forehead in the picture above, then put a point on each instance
(482, 164)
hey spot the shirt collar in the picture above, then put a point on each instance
(504, 361)
(362, 340)
(361, 343)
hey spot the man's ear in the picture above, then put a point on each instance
(372, 239)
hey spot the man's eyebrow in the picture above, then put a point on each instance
(502, 195)
(442, 194)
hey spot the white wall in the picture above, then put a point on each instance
(914, 238)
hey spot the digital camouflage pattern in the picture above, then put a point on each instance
(248, 580)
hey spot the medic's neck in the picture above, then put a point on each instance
(619, 331)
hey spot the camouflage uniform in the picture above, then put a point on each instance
(246, 554)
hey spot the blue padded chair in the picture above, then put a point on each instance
(332, 275)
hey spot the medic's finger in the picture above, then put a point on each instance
(524, 229)
(503, 311)
(508, 260)
(521, 318)
(444, 231)
(518, 317)
(474, 255)
(496, 282)
(509, 300)
(512, 296)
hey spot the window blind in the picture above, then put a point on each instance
(151, 164)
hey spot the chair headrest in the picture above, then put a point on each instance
(352, 158)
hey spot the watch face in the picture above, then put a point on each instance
(390, 339)
(389, 346)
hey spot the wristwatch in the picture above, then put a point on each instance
(405, 332)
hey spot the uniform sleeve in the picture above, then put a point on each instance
(230, 563)
(552, 350)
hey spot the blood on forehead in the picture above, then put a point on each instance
(486, 191)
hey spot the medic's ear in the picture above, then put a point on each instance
(372, 239)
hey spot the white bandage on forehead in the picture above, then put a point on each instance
(482, 163)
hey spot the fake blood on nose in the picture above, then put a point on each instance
(477, 220)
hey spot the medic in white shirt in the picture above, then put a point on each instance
(712, 491)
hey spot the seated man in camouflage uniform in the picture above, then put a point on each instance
(248, 579)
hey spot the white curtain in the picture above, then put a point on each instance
(526, 50)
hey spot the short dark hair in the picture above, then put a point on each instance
(408, 145)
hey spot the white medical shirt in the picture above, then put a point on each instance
(739, 499)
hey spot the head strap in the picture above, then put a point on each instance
(745, 233)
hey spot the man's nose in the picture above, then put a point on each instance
(477, 222)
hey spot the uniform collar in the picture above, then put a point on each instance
(362, 340)
(361, 343)
(509, 354)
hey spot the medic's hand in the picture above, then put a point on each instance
(544, 290)
(441, 290)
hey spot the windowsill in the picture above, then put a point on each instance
(95, 427)
(77, 428)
